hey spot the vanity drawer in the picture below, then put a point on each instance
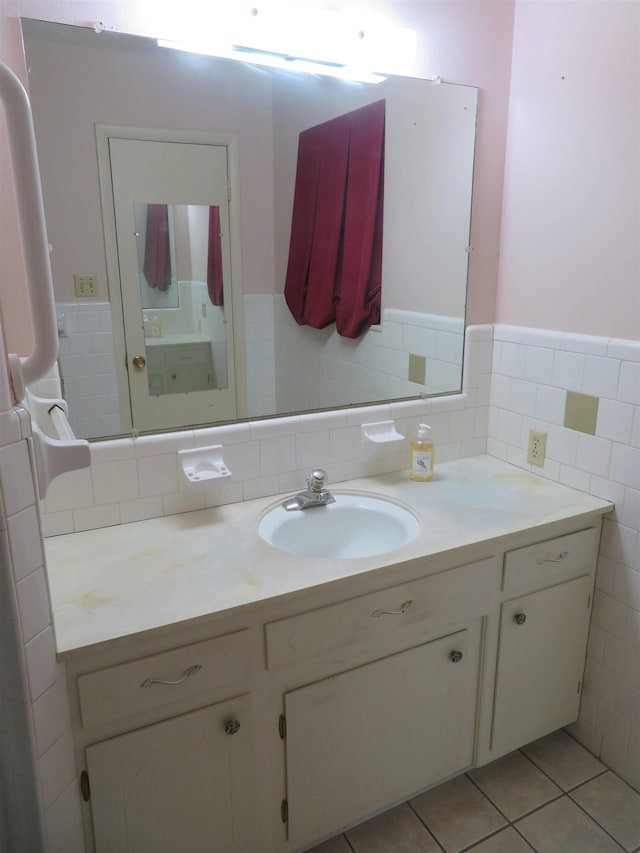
(129, 688)
(445, 595)
(576, 552)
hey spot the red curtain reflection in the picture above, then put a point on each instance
(157, 257)
(335, 254)
(214, 258)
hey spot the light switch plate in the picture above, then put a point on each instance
(85, 285)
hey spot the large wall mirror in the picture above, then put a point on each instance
(169, 181)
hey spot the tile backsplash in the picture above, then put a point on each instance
(137, 478)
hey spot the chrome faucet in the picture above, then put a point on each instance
(314, 495)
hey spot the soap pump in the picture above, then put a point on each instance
(421, 456)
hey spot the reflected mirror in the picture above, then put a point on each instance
(96, 96)
(179, 252)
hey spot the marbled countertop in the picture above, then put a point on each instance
(117, 581)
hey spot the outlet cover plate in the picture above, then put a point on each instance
(537, 447)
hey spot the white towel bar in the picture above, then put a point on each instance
(24, 160)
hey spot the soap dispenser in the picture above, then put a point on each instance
(421, 456)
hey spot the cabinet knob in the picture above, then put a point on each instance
(138, 361)
(231, 727)
(520, 618)
(455, 657)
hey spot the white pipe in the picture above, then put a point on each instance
(24, 159)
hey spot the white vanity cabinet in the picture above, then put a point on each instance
(380, 694)
(356, 685)
(374, 735)
(543, 638)
(182, 784)
(176, 368)
(186, 781)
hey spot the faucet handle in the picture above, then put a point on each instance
(317, 479)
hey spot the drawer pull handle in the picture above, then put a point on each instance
(520, 618)
(189, 671)
(562, 556)
(231, 727)
(403, 609)
(455, 657)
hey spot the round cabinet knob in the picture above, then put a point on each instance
(138, 361)
(520, 618)
(231, 727)
(455, 657)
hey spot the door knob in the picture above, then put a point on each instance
(138, 361)
(520, 618)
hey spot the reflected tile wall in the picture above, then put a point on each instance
(88, 367)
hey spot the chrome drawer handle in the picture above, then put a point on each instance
(562, 556)
(403, 609)
(189, 671)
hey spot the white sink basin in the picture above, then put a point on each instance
(356, 525)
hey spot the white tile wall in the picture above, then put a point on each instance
(130, 479)
(88, 367)
(533, 370)
(34, 715)
(318, 367)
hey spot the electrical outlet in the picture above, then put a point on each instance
(85, 285)
(537, 447)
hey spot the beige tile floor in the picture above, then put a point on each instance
(552, 796)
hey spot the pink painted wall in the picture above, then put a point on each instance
(570, 256)
(141, 86)
(466, 41)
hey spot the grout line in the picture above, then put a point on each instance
(349, 844)
(429, 830)
(513, 823)
(597, 822)
(526, 840)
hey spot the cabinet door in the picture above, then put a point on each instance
(367, 738)
(541, 655)
(180, 785)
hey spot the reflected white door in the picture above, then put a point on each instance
(180, 359)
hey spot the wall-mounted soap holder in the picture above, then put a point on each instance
(381, 432)
(203, 465)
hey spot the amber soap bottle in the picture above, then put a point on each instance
(421, 456)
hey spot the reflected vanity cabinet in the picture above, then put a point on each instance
(274, 729)
(179, 368)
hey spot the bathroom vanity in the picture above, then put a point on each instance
(227, 696)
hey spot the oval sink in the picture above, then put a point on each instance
(356, 525)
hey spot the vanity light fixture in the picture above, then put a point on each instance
(349, 44)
